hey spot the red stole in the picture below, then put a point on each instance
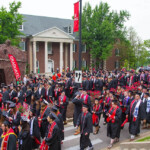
(64, 100)
(94, 116)
(6, 138)
(85, 99)
(39, 122)
(112, 117)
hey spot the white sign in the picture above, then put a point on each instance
(78, 76)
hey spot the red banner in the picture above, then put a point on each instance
(76, 17)
(14, 66)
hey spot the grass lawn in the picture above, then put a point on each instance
(144, 139)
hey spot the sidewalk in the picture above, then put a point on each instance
(117, 145)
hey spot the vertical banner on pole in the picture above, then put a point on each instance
(15, 66)
(76, 17)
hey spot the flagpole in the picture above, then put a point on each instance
(80, 36)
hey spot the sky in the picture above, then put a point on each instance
(138, 9)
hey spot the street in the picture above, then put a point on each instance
(99, 141)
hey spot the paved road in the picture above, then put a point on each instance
(99, 141)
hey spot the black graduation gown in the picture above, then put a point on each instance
(24, 140)
(134, 126)
(61, 126)
(146, 115)
(11, 142)
(13, 95)
(44, 123)
(28, 96)
(85, 123)
(5, 97)
(34, 132)
(20, 97)
(113, 129)
(77, 109)
(53, 141)
(67, 88)
(90, 84)
(98, 113)
(43, 93)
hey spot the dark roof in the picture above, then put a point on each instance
(35, 24)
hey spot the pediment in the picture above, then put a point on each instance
(54, 33)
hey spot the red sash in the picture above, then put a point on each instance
(112, 117)
(64, 100)
(44, 146)
(39, 122)
(6, 138)
(86, 98)
(94, 116)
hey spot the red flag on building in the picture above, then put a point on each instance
(14, 66)
(76, 17)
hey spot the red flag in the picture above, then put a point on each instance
(14, 66)
(76, 17)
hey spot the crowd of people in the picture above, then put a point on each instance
(117, 96)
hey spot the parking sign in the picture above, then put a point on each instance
(78, 76)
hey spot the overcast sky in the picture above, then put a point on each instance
(139, 10)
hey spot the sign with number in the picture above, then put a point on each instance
(78, 76)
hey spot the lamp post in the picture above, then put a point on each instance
(80, 36)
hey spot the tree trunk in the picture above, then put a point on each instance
(104, 65)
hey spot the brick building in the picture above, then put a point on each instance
(50, 44)
(6, 72)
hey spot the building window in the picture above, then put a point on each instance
(83, 63)
(74, 64)
(49, 47)
(22, 46)
(117, 64)
(37, 64)
(74, 47)
(37, 46)
(21, 27)
(117, 51)
(70, 29)
(84, 48)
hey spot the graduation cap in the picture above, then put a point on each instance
(6, 123)
(138, 93)
(147, 94)
(130, 91)
(52, 116)
(96, 99)
(5, 87)
(12, 105)
(24, 119)
(80, 88)
(9, 102)
(85, 105)
(33, 110)
(4, 114)
(115, 101)
(144, 87)
(54, 108)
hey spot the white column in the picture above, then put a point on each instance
(34, 56)
(66, 55)
(61, 57)
(46, 58)
(71, 56)
(31, 56)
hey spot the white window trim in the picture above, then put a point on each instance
(21, 27)
(37, 62)
(71, 30)
(74, 64)
(85, 48)
(24, 45)
(51, 51)
(74, 47)
(37, 46)
(117, 64)
(85, 63)
(118, 52)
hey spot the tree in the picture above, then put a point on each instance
(10, 22)
(100, 29)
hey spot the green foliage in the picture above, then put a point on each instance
(144, 139)
(100, 29)
(10, 22)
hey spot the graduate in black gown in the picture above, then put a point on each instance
(24, 139)
(86, 127)
(114, 122)
(34, 129)
(9, 139)
(146, 105)
(135, 115)
(51, 141)
(77, 101)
